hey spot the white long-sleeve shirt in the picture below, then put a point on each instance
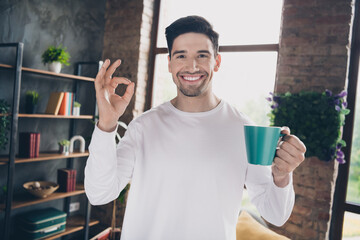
(187, 173)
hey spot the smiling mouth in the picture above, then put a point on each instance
(192, 78)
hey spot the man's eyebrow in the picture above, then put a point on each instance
(178, 52)
(204, 51)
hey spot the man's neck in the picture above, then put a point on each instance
(195, 104)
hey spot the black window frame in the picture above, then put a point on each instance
(160, 50)
(340, 205)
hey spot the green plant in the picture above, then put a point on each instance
(77, 104)
(316, 118)
(64, 142)
(33, 95)
(56, 54)
(4, 123)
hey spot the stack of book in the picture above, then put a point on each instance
(29, 144)
(66, 179)
(60, 103)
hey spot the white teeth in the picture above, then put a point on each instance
(191, 78)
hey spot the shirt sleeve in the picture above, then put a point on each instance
(109, 167)
(275, 204)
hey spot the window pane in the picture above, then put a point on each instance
(237, 22)
(164, 88)
(351, 227)
(244, 80)
(353, 190)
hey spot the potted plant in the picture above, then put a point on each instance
(54, 57)
(4, 123)
(31, 101)
(64, 146)
(76, 108)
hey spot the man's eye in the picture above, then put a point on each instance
(180, 56)
(203, 56)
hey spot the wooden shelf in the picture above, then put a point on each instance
(43, 72)
(28, 200)
(45, 157)
(73, 224)
(26, 115)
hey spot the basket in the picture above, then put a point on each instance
(43, 188)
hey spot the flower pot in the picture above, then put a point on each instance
(76, 111)
(54, 67)
(64, 149)
(30, 107)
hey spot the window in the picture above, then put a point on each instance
(345, 220)
(249, 36)
(249, 39)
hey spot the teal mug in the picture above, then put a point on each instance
(261, 143)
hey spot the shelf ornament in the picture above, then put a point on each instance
(82, 143)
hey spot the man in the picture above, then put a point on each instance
(186, 158)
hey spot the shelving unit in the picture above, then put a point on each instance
(74, 223)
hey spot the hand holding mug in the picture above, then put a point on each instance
(289, 155)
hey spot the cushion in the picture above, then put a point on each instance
(247, 228)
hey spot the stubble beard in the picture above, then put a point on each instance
(193, 91)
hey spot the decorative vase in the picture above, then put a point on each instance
(64, 149)
(54, 67)
(76, 111)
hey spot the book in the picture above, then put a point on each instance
(74, 180)
(24, 144)
(37, 144)
(63, 179)
(29, 144)
(64, 104)
(66, 179)
(54, 103)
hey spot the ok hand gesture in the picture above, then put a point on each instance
(111, 106)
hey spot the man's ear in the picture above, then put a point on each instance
(218, 62)
(169, 68)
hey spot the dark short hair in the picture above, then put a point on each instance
(189, 24)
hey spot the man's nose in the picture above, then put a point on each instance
(192, 65)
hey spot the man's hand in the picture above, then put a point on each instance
(111, 106)
(289, 155)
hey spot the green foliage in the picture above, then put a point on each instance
(33, 95)
(123, 194)
(64, 142)
(4, 123)
(77, 104)
(56, 54)
(316, 118)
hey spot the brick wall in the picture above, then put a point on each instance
(313, 56)
(127, 37)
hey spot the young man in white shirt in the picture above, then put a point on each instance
(186, 158)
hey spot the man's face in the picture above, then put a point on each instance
(193, 63)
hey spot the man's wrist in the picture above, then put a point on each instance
(281, 181)
(105, 128)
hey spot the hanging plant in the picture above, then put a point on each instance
(316, 118)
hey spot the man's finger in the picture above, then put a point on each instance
(102, 70)
(129, 92)
(99, 79)
(296, 142)
(285, 130)
(115, 81)
(110, 71)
